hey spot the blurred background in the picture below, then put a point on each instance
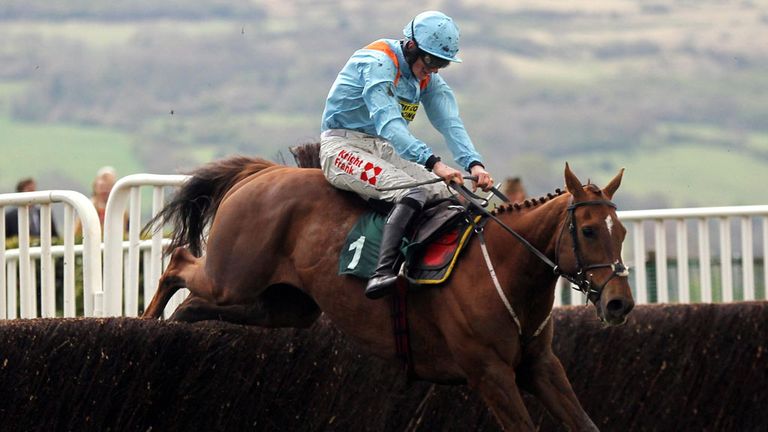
(675, 91)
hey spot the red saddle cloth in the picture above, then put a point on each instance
(434, 261)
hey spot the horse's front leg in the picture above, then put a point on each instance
(494, 380)
(542, 374)
(496, 385)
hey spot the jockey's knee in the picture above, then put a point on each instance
(415, 197)
(408, 206)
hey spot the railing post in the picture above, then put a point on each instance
(92, 289)
(48, 290)
(641, 278)
(765, 258)
(26, 290)
(70, 306)
(726, 269)
(705, 258)
(3, 282)
(683, 284)
(747, 259)
(662, 284)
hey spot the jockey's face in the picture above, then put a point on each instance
(421, 70)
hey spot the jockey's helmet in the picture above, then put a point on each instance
(434, 33)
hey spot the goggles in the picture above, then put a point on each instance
(429, 60)
(435, 62)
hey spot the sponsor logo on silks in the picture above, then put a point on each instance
(348, 161)
(370, 172)
(408, 110)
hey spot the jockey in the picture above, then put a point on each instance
(365, 142)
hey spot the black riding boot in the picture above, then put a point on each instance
(385, 276)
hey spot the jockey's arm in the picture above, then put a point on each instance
(443, 112)
(390, 124)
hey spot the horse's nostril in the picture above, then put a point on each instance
(615, 307)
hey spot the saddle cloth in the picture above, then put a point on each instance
(430, 251)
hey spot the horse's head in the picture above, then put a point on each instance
(589, 248)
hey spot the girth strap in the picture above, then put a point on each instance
(400, 327)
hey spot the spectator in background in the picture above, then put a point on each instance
(12, 215)
(514, 190)
(102, 185)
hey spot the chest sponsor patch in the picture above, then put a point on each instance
(408, 110)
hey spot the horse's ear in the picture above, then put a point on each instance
(611, 187)
(573, 184)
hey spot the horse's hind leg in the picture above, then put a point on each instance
(194, 309)
(178, 274)
(278, 306)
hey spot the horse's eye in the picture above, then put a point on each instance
(588, 232)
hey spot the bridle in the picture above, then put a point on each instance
(579, 278)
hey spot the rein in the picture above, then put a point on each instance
(579, 279)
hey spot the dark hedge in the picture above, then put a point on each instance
(670, 368)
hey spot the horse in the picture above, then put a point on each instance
(271, 260)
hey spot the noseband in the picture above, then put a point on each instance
(580, 278)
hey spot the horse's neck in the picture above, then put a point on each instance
(540, 226)
(528, 282)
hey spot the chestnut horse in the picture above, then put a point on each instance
(272, 256)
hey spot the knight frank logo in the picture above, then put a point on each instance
(347, 161)
(370, 172)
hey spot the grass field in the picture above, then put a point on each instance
(685, 173)
(65, 154)
(105, 34)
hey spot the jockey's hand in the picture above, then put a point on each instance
(484, 179)
(448, 174)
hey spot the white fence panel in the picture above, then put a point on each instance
(657, 276)
(121, 290)
(23, 259)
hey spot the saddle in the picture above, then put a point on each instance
(431, 248)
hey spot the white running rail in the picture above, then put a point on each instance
(121, 296)
(23, 257)
(685, 247)
(675, 255)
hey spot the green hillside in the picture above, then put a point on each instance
(674, 91)
(62, 156)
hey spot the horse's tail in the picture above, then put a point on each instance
(195, 204)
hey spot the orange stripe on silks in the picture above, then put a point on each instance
(384, 47)
(425, 82)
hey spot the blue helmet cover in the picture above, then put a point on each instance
(435, 33)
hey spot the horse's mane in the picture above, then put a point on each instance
(528, 203)
(306, 155)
